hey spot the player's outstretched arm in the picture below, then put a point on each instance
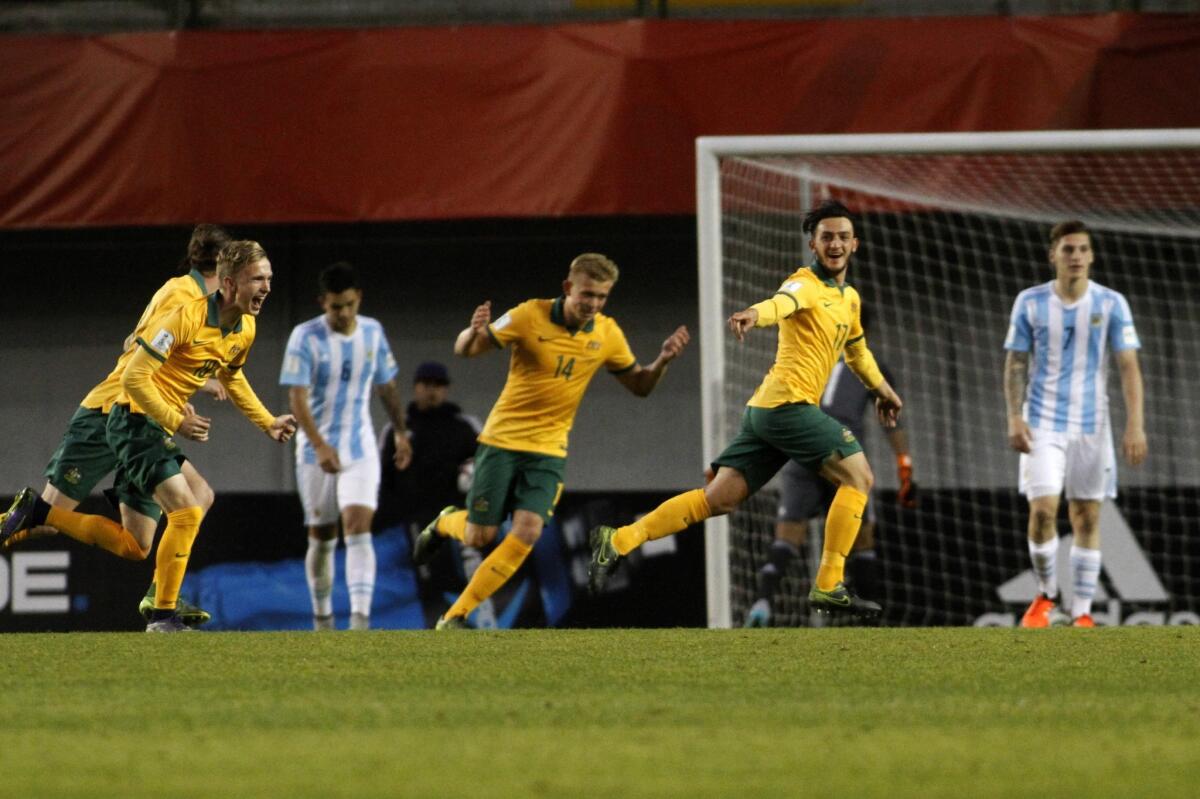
(641, 380)
(282, 428)
(1133, 445)
(474, 339)
(1016, 369)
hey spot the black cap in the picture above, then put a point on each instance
(432, 372)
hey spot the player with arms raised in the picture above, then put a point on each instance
(817, 313)
(1058, 416)
(557, 347)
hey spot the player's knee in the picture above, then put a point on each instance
(478, 536)
(527, 533)
(205, 496)
(1042, 518)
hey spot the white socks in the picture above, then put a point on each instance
(318, 568)
(360, 572)
(1043, 557)
(1085, 571)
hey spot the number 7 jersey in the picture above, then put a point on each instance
(550, 368)
(1068, 342)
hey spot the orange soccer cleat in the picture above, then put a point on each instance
(1038, 612)
(1083, 621)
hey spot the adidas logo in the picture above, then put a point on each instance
(1130, 573)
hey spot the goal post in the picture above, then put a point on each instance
(953, 226)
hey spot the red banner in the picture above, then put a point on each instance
(498, 121)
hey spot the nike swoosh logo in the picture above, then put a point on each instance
(828, 304)
(181, 554)
(199, 342)
(549, 338)
(835, 600)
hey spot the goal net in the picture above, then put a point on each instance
(952, 228)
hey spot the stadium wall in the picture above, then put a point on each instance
(526, 120)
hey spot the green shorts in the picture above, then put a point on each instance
(770, 436)
(146, 456)
(84, 457)
(507, 480)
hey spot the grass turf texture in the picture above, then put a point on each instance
(831, 713)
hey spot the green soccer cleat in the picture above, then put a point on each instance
(428, 541)
(19, 516)
(839, 599)
(189, 614)
(451, 623)
(604, 557)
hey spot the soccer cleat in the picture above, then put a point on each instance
(360, 621)
(428, 540)
(840, 599)
(1037, 615)
(19, 516)
(191, 615)
(171, 624)
(1083, 621)
(604, 557)
(322, 623)
(759, 614)
(451, 623)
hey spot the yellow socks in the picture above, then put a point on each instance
(173, 552)
(453, 525)
(841, 528)
(677, 513)
(98, 531)
(494, 572)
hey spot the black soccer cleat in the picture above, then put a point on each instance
(19, 516)
(429, 540)
(604, 557)
(840, 599)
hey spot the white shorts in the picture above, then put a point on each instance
(323, 495)
(1083, 463)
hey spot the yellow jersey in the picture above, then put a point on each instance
(550, 368)
(190, 346)
(170, 295)
(824, 323)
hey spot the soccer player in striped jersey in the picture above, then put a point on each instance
(330, 366)
(1058, 414)
(557, 347)
(817, 313)
(84, 456)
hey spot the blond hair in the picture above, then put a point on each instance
(236, 256)
(596, 266)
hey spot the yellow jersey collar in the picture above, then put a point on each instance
(819, 270)
(214, 315)
(558, 316)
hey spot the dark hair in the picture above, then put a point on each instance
(828, 209)
(205, 245)
(336, 278)
(1067, 228)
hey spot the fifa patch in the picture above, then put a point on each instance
(73, 475)
(1129, 336)
(481, 505)
(234, 350)
(593, 345)
(1096, 320)
(502, 322)
(847, 436)
(791, 287)
(162, 341)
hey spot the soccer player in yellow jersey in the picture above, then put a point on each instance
(817, 313)
(84, 456)
(206, 337)
(557, 346)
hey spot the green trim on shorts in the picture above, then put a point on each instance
(507, 480)
(83, 457)
(146, 457)
(769, 437)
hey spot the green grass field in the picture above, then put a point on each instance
(838, 713)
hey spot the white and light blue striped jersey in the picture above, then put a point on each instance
(339, 371)
(1068, 390)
